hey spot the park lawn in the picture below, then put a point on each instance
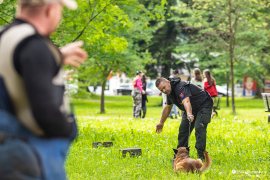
(239, 145)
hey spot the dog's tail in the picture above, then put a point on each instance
(207, 162)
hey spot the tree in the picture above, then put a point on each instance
(163, 42)
(221, 34)
(112, 31)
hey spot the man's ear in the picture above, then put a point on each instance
(175, 151)
(48, 10)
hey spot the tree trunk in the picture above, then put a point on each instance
(102, 98)
(231, 51)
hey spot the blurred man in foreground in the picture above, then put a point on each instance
(36, 123)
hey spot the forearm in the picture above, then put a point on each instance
(187, 105)
(165, 113)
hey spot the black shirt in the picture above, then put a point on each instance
(35, 63)
(182, 89)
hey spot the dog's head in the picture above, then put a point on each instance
(181, 151)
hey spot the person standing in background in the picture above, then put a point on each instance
(197, 78)
(144, 96)
(174, 112)
(137, 94)
(209, 83)
(37, 124)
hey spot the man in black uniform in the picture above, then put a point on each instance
(196, 105)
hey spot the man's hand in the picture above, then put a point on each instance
(73, 54)
(190, 117)
(159, 127)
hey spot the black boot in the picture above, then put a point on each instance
(201, 156)
(143, 114)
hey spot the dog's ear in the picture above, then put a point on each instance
(175, 151)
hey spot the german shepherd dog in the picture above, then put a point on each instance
(183, 163)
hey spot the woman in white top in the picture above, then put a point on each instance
(197, 78)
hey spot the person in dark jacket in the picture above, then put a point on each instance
(144, 96)
(196, 105)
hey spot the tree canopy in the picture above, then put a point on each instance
(230, 37)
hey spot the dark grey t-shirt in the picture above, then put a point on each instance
(198, 97)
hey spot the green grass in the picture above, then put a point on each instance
(239, 145)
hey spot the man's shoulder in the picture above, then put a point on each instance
(20, 34)
(182, 84)
(34, 44)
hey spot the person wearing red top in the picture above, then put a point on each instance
(137, 94)
(209, 83)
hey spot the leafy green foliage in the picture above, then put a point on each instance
(7, 11)
(112, 31)
(207, 22)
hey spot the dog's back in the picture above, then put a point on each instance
(183, 163)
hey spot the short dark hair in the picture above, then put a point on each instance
(138, 72)
(159, 80)
(176, 71)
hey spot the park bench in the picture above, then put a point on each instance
(266, 100)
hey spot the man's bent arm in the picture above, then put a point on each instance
(165, 113)
(188, 108)
(187, 105)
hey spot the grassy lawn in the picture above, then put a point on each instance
(239, 145)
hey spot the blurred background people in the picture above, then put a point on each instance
(137, 94)
(209, 83)
(144, 96)
(197, 78)
(174, 111)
